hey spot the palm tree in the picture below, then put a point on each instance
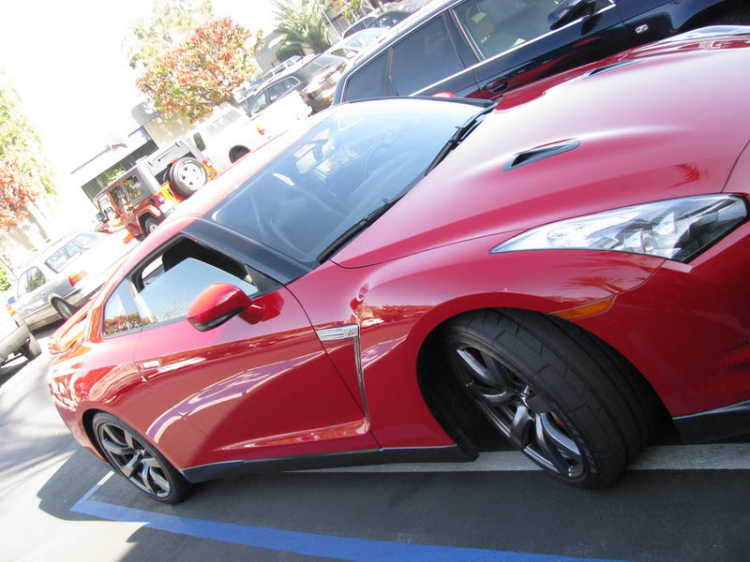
(304, 24)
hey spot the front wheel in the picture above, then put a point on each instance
(138, 462)
(64, 309)
(563, 398)
(149, 225)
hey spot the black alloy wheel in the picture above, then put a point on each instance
(138, 461)
(566, 400)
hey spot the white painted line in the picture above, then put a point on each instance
(734, 456)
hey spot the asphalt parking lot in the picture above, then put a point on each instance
(677, 503)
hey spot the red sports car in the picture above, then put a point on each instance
(570, 265)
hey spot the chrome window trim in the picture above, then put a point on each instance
(346, 332)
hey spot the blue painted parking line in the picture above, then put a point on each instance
(342, 548)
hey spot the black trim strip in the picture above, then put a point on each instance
(713, 425)
(205, 472)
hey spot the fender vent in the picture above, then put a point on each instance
(609, 67)
(536, 154)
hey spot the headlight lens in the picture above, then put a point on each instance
(677, 229)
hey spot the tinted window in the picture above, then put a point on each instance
(423, 58)
(198, 139)
(260, 103)
(288, 84)
(119, 196)
(133, 188)
(370, 82)
(169, 296)
(494, 26)
(338, 173)
(120, 313)
(36, 279)
(274, 92)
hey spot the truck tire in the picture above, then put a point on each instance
(187, 176)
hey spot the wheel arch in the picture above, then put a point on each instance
(142, 219)
(237, 152)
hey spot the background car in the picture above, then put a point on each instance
(355, 44)
(401, 273)
(485, 48)
(147, 192)
(16, 338)
(315, 81)
(65, 275)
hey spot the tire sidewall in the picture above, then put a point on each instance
(177, 185)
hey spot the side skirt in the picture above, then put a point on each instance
(712, 425)
(205, 472)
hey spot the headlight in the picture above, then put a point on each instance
(676, 229)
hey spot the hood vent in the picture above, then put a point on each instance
(536, 154)
(608, 67)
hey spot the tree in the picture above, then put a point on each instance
(195, 77)
(171, 22)
(16, 192)
(303, 23)
(19, 141)
(351, 8)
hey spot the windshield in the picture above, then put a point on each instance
(354, 161)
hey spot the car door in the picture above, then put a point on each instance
(21, 303)
(259, 387)
(37, 299)
(514, 42)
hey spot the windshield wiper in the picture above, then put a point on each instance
(358, 227)
(463, 131)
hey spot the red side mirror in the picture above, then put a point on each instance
(216, 304)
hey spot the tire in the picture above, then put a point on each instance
(150, 472)
(187, 175)
(237, 153)
(32, 349)
(149, 225)
(565, 399)
(64, 309)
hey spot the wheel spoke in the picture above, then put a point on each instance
(490, 396)
(561, 441)
(159, 480)
(143, 476)
(548, 448)
(129, 440)
(128, 469)
(484, 374)
(519, 427)
(116, 449)
(108, 430)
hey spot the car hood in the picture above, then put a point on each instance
(657, 122)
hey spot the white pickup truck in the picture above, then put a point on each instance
(15, 338)
(227, 135)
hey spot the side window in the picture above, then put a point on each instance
(274, 92)
(370, 81)
(494, 26)
(36, 279)
(260, 103)
(169, 284)
(133, 188)
(199, 141)
(23, 284)
(119, 196)
(120, 313)
(423, 58)
(288, 84)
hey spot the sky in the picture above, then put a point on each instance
(67, 62)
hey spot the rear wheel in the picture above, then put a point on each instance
(64, 309)
(566, 400)
(31, 350)
(187, 175)
(135, 459)
(237, 153)
(149, 225)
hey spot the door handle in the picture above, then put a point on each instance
(498, 86)
(155, 363)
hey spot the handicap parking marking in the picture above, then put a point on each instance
(298, 542)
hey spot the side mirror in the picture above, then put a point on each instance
(216, 304)
(569, 10)
(100, 217)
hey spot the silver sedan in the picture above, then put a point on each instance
(65, 275)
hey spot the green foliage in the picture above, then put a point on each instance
(202, 72)
(303, 23)
(5, 282)
(19, 141)
(110, 175)
(171, 22)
